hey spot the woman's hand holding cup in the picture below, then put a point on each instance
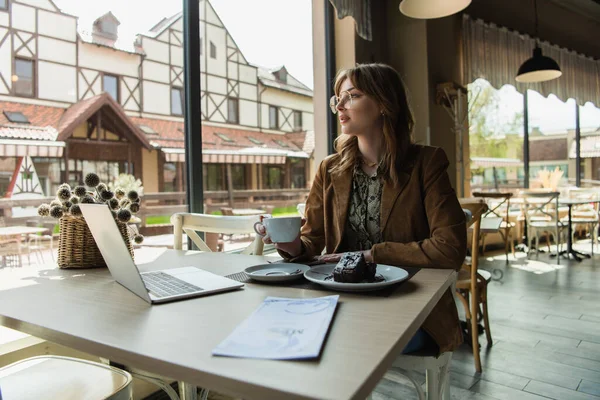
(284, 232)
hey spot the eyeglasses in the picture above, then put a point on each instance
(345, 99)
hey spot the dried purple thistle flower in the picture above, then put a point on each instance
(132, 195)
(55, 202)
(134, 208)
(80, 191)
(87, 199)
(56, 212)
(44, 210)
(113, 203)
(101, 187)
(63, 194)
(75, 210)
(124, 215)
(106, 195)
(92, 180)
(74, 200)
(119, 193)
(138, 238)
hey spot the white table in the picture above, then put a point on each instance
(88, 311)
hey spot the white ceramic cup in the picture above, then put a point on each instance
(280, 230)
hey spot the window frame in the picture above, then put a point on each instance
(181, 97)
(104, 75)
(237, 110)
(276, 125)
(33, 77)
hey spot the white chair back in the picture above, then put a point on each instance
(191, 223)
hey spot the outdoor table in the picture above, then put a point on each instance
(570, 251)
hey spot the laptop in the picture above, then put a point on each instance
(156, 286)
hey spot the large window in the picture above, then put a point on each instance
(238, 176)
(23, 78)
(298, 171)
(273, 117)
(214, 177)
(110, 85)
(272, 177)
(297, 120)
(233, 111)
(3, 4)
(176, 101)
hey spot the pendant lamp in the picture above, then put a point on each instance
(538, 68)
(429, 9)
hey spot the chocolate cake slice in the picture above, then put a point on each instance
(352, 268)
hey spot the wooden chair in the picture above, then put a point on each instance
(471, 284)
(499, 208)
(53, 377)
(191, 223)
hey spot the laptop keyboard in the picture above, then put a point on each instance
(164, 285)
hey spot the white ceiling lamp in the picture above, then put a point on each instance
(538, 68)
(429, 9)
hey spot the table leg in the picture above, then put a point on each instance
(571, 252)
(187, 391)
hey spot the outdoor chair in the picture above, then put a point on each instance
(471, 284)
(58, 378)
(499, 211)
(542, 216)
(192, 223)
(586, 214)
(301, 207)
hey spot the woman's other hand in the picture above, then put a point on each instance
(335, 257)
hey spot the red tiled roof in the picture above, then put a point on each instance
(41, 116)
(43, 121)
(171, 135)
(47, 122)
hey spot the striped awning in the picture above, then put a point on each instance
(33, 148)
(488, 162)
(589, 148)
(229, 158)
(243, 156)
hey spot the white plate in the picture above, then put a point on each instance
(391, 276)
(277, 272)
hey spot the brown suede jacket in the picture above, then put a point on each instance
(422, 225)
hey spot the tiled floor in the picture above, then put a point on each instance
(545, 323)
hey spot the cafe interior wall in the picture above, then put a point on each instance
(428, 52)
(424, 52)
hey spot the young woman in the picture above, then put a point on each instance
(383, 195)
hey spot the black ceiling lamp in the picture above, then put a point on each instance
(538, 68)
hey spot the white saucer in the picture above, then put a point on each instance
(277, 272)
(391, 275)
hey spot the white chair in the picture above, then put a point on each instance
(301, 207)
(436, 369)
(63, 378)
(542, 215)
(190, 223)
(585, 214)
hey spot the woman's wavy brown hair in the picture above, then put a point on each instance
(383, 84)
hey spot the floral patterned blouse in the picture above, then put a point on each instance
(363, 225)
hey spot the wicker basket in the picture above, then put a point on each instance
(76, 245)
